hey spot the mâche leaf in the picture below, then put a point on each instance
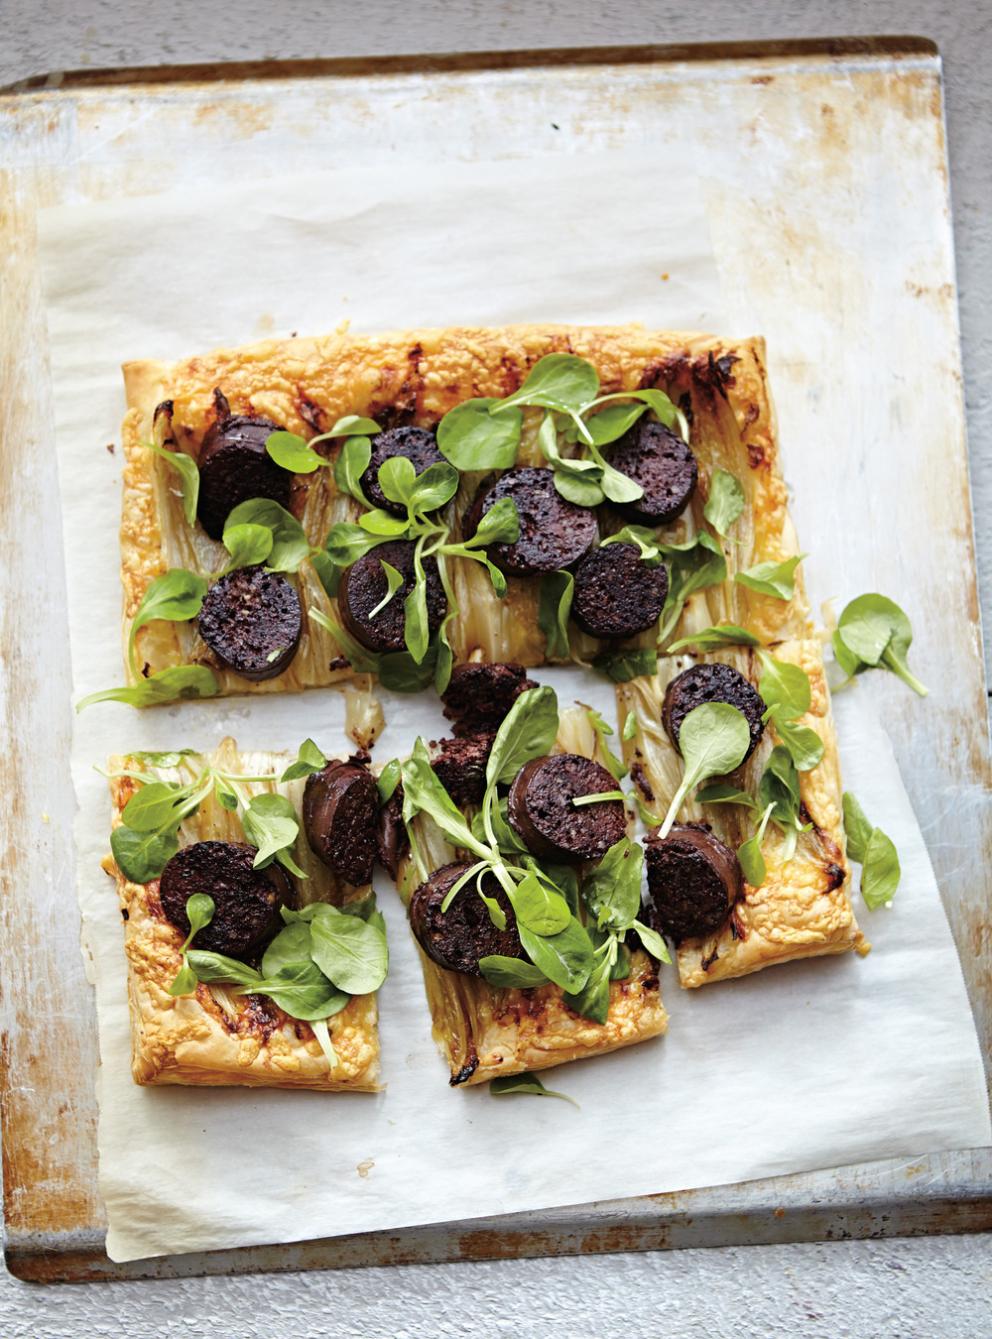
(559, 381)
(309, 759)
(432, 488)
(802, 741)
(176, 596)
(555, 605)
(189, 477)
(167, 685)
(394, 580)
(142, 856)
(857, 827)
(350, 464)
(717, 740)
(652, 942)
(644, 540)
(784, 688)
(248, 545)
(539, 907)
(511, 973)
(565, 958)
(630, 726)
(597, 797)
(424, 793)
(622, 666)
(617, 487)
(612, 890)
(612, 422)
(875, 633)
(293, 453)
(388, 779)
(474, 439)
(775, 579)
(711, 639)
(692, 567)
(592, 1000)
(346, 543)
(528, 731)
(271, 823)
(725, 502)
(217, 967)
(749, 853)
(290, 546)
(200, 908)
(350, 951)
(525, 1083)
(603, 730)
(875, 852)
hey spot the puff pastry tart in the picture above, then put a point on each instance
(398, 503)
(522, 886)
(253, 950)
(791, 899)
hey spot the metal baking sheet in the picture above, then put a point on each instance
(823, 113)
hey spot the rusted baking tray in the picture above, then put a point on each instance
(825, 111)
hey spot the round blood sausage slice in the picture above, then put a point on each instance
(693, 880)
(459, 937)
(246, 900)
(554, 533)
(712, 683)
(363, 586)
(663, 465)
(551, 826)
(479, 696)
(460, 766)
(417, 444)
(234, 466)
(340, 806)
(616, 594)
(251, 619)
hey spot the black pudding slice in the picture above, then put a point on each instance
(459, 937)
(712, 683)
(246, 900)
(554, 532)
(616, 594)
(418, 445)
(693, 880)
(252, 621)
(235, 466)
(363, 587)
(662, 463)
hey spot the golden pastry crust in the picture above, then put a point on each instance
(803, 907)
(484, 1032)
(215, 1037)
(417, 376)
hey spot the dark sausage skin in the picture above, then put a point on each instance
(693, 881)
(712, 683)
(251, 619)
(417, 444)
(663, 465)
(391, 839)
(460, 766)
(542, 814)
(459, 937)
(478, 696)
(234, 466)
(247, 900)
(340, 806)
(554, 533)
(616, 594)
(363, 585)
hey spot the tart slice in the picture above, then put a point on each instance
(239, 925)
(753, 870)
(525, 895)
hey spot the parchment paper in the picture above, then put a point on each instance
(809, 1065)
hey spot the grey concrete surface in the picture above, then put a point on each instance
(936, 1288)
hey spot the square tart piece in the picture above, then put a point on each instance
(414, 378)
(485, 1032)
(215, 1037)
(803, 907)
